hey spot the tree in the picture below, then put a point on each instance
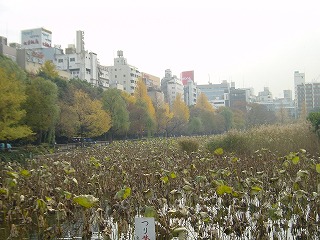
(239, 120)
(139, 118)
(203, 103)
(48, 70)
(282, 115)
(42, 109)
(228, 117)
(259, 115)
(11, 113)
(181, 115)
(91, 120)
(314, 119)
(83, 85)
(163, 118)
(195, 126)
(11, 68)
(143, 100)
(115, 105)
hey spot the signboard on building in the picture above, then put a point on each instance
(186, 76)
(36, 38)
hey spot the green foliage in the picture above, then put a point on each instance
(87, 201)
(115, 105)
(189, 145)
(314, 119)
(42, 108)
(232, 141)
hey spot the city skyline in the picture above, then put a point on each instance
(252, 44)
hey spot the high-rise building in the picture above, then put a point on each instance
(82, 64)
(308, 98)
(299, 78)
(121, 73)
(171, 86)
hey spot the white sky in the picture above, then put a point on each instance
(253, 43)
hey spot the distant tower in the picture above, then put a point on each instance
(80, 42)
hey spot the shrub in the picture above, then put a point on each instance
(188, 145)
(233, 141)
(280, 139)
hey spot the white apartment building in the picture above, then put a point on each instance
(82, 64)
(190, 93)
(171, 86)
(265, 96)
(121, 73)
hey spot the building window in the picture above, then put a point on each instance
(72, 59)
(124, 75)
(115, 69)
(60, 60)
(115, 76)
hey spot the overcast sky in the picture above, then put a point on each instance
(252, 43)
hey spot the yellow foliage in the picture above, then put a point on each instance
(142, 94)
(203, 103)
(49, 69)
(12, 96)
(180, 110)
(92, 120)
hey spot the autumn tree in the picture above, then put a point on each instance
(42, 109)
(48, 70)
(163, 118)
(12, 97)
(143, 100)
(203, 103)
(201, 116)
(181, 115)
(91, 120)
(115, 105)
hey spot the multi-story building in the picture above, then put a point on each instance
(238, 99)
(171, 86)
(36, 38)
(265, 96)
(153, 87)
(8, 51)
(121, 73)
(286, 103)
(299, 78)
(217, 94)
(191, 91)
(82, 64)
(308, 97)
